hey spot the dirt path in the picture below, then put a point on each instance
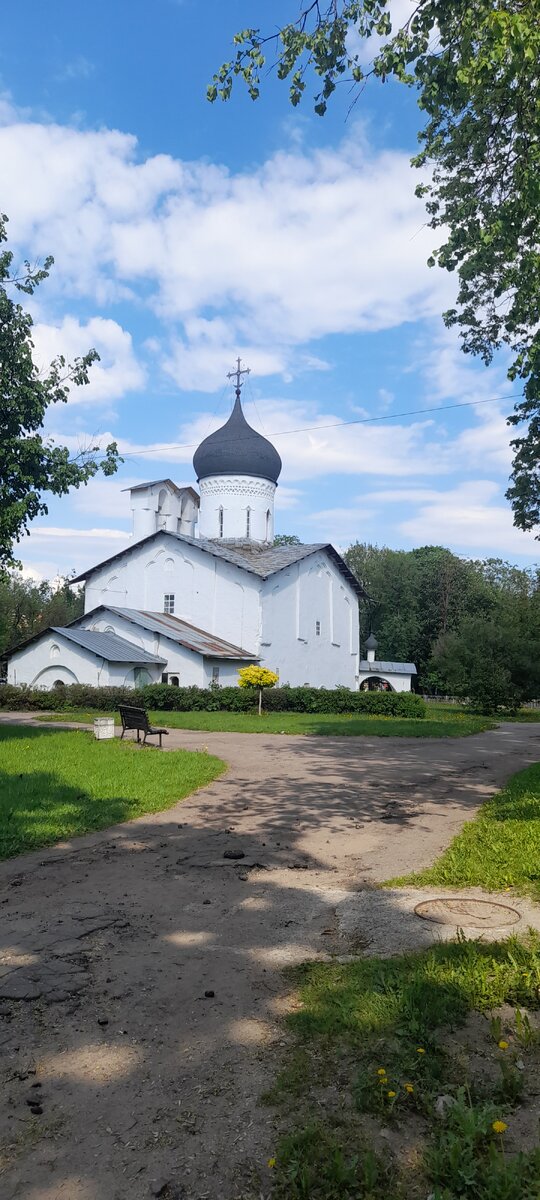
(140, 968)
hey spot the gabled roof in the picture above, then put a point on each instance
(109, 646)
(397, 668)
(263, 561)
(138, 487)
(177, 630)
(105, 645)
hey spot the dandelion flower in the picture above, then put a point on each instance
(420, 1050)
(271, 1162)
(503, 1045)
(381, 1071)
(408, 1088)
(499, 1126)
(390, 1095)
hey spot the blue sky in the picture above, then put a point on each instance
(185, 234)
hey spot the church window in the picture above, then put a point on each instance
(220, 521)
(55, 651)
(168, 602)
(268, 519)
(165, 677)
(215, 675)
(248, 522)
(318, 628)
(174, 680)
(59, 683)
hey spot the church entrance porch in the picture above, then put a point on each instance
(376, 684)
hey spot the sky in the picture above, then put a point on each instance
(185, 234)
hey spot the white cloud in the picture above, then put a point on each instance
(311, 443)
(118, 371)
(489, 439)
(310, 243)
(52, 532)
(77, 68)
(469, 517)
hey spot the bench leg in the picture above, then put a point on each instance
(123, 732)
(160, 740)
(139, 735)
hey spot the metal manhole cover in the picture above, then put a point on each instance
(479, 914)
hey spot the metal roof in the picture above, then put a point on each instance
(106, 645)
(259, 559)
(397, 668)
(181, 631)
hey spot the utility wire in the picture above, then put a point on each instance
(413, 412)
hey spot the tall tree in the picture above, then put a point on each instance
(474, 64)
(29, 464)
(423, 603)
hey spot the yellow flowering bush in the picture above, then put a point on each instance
(257, 677)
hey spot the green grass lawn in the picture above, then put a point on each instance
(373, 1045)
(56, 784)
(500, 848)
(447, 722)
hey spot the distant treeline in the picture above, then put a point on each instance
(471, 627)
(27, 607)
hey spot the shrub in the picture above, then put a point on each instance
(225, 699)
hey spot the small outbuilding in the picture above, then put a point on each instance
(376, 675)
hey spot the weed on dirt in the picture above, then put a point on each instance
(413, 1077)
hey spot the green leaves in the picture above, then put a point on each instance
(474, 64)
(28, 465)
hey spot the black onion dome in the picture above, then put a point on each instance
(237, 449)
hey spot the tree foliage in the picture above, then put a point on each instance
(456, 619)
(474, 64)
(286, 539)
(27, 607)
(30, 465)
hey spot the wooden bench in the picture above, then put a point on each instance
(137, 718)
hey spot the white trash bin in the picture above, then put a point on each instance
(103, 728)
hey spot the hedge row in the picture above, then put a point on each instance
(227, 699)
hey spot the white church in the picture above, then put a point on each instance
(201, 590)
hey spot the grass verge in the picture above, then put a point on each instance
(398, 1072)
(55, 785)
(499, 849)
(446, 723)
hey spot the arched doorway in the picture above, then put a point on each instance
(375, 683)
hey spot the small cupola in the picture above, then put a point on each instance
(371, 647)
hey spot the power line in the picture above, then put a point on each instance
(413, 412)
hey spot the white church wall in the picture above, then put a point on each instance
(310, 625)
(208, 592)
(185, 664)
(227, 671)
(50, 658)
(237, 506)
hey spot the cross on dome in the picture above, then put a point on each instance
(238, 376)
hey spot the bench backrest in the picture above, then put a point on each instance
(134, 718)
